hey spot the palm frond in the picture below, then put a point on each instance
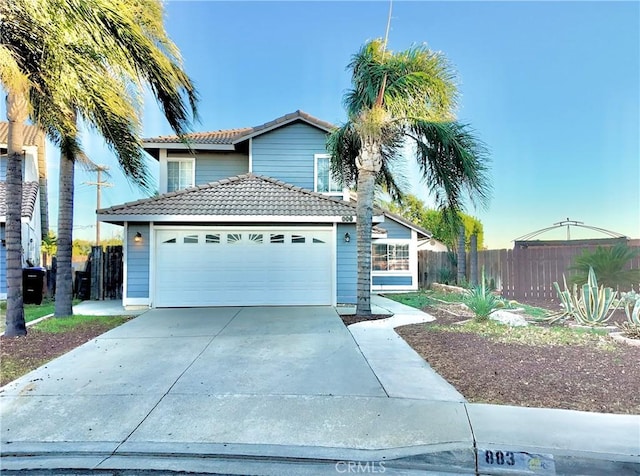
(453, 162)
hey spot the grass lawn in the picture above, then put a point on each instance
(49, 339)
(32, 311)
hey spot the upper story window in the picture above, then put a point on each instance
(324, 182)
(180, 174)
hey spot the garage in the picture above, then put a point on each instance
(243, 266)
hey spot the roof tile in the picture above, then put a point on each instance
(243, 195)
(29, 196)
(30, 134)
(231, 136)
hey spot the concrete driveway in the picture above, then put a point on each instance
(272, 380)
(275, 390)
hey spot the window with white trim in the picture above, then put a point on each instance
(390, 257)
(324, 181)
(180, 174)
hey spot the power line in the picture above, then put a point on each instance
(99, 184)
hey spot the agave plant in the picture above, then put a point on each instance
(481, 300)
(589, 305)
(631, 304)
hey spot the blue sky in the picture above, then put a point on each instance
(552, 88)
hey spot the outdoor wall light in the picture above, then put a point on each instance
(347, 237)
(138, 237)
(4, 242)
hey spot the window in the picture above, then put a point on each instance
(390, 257)
(212, 238)
(180, 174)
(255, 238)
(190, 239)
(324, 181)
(277, 238)
(233, 238)
(297, 239)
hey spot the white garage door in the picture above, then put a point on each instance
(243, 267)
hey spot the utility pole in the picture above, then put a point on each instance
(99, 184)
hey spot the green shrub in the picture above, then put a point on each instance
(608, 263)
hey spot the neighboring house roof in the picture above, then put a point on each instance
(29, 197)
(245, 197)
(234, 136)
(30, 134)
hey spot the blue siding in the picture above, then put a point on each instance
(287, 153)
(138, 261)
(212, 167)
(3, 168)
(3, 263)
(347, 265)
(392, 280)
(395, 230)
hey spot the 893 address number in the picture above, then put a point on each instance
(515, 462)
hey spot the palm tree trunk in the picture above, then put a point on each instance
(369, 163)
(364, 217)
(64, 277)
(16, 115)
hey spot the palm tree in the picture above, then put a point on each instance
(397, 98)
(93, 60)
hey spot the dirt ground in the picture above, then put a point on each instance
(23, 354)
(575, 377)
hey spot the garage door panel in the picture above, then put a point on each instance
(243, 267)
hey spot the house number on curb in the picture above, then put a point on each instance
(497, 461)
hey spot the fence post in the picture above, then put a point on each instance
(462, 257)
(473, 260)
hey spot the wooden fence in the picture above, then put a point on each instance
(521, 273)
(104, 270)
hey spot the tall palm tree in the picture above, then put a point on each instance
(90, 60)
(397, 98)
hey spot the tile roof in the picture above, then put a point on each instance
(30, 134)
(243, 195)
(232, 136)
(29, 196)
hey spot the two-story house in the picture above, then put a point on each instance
(34, 204)
(252, 217)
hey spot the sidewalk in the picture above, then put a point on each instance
(558, 441)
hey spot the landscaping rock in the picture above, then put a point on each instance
(508, 318)
(445, 288)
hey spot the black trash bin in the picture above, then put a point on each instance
(82, 285)
(33, 285)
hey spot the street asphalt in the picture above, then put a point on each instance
(282, 390)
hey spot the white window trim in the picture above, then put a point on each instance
(164, 176)
(337, 193)
(413, 265)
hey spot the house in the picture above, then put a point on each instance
(34, 201)
(252, 216)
